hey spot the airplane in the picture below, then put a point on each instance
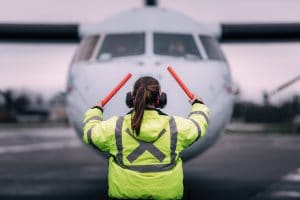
(144, 41)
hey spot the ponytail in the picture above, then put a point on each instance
(139, 107)
(146, 92)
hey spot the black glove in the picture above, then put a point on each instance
(196, 99)
(99, 107)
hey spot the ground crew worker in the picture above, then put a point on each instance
(145, 144)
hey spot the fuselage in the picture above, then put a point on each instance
(144, 42)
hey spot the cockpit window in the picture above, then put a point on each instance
(86, 48)
(178, 45)
(119, 45)
(212, 48)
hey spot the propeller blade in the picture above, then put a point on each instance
(39, 33)
(276, 32)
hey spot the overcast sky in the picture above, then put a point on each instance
(255, 67)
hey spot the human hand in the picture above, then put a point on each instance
(196, 99)
(99, 107)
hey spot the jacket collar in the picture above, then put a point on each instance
(150, 109)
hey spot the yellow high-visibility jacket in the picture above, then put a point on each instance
(147, 166)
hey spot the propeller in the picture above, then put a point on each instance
(65, 33)
(260, 32)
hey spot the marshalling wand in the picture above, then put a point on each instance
(104, 101)
(181, 83)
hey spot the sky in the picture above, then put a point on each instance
(255, 67)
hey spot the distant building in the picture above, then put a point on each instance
(23, 106)
(286, 112)
(57, 108)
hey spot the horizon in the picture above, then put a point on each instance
(255, 67)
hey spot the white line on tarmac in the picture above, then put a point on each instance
(289, 194)
(40, 146)
(292, 177)
(283, 189)
(39, 133)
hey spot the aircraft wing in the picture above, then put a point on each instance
(50, 33)
(264, 32)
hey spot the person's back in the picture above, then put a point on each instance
(145, 144)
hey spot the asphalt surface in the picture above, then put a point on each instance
(52, 163)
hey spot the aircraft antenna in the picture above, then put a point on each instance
(285, 85)
(150, 3)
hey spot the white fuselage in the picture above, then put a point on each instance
(92, 78)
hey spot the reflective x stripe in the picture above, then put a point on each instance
(200, 113)
(146, 168)
(146, 146)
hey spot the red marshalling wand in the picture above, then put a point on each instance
(115, 90)
(181, 83)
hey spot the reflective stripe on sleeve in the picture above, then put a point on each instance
(198, 128)
(200, 113)
(98, 118)
(89, 138)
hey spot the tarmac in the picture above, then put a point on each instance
(53, 163)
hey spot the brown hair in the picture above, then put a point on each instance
(145, 92)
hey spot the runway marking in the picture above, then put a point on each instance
(40, 146)
(292, 177)
(37, 133)
(290, 194)
(287, 188)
